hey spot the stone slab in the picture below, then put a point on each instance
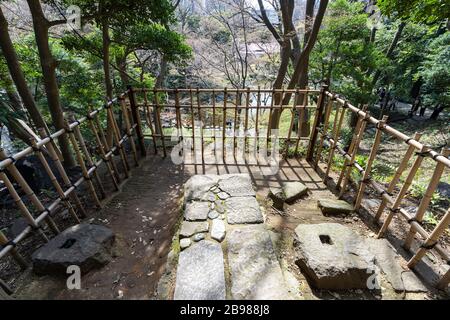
(196, 211)
(85, 245)
(332, 256)
(189, 228)
(200, 273)
(334, 207)
(293, 190)
(198, 187)
(237, 185)
(218, 230)
(254, 269)
(243, 210)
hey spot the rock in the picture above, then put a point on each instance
(334, 207)
(198, 237)
(209, 197)
(237, 185)
(200, 273)
(190, 228)
(223, 195)
(444, 189)
(85, 245)
(277, 196)
(293, 190)
(17, 227)
(243, 210)
(196, 211)
(412, 283)
(254, 269)
(219, 207)
(332, 256)
(218, 230)
(185, 243)
(198, 186)
(213, 214)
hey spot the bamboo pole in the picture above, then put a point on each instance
(82, 165)
(258, 105)
(29, 192)
(116, 138)
(129, 131)
(353, 155)
(323, 132)
(224, 123)
(54, 181)
(23, 209)
(87, 156)
(337, 119)
(247, 106)
(179, 123)
(403, 190)
(269, 121)
(291, 124)
(201, 124)
(335, 140)
(148, 117)
(230, 90)
(137, 120)
(317, 119)
(158, 122)
(191, 97)
(397, 175)
(62, 172)
(214, 119)
(300, 122)
(372, 155)
(432, 186)
(14, 253)
(236, 124)
(431, 241)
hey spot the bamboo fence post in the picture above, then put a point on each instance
(201, 124)
(317, 119)
(82, 165)
(236, 124)
(323, 132)
(373, 153)
(269, 121)
(331, 139)
(335, 141)
(137, 120)
(87, 156)
(352, 144)
(258, 107)
(28, 191)
(398, 200)
(148, 118)
(432, 240)
(214, 119)
(53, 179)
(247, 106)
(300, 122)
(129, 133)
(291, 124)
(191, 97)
(179, 122)
(397, 175)
(224, 123)
(23, 209)
(14, 253)
(425, 202)
(105, 150)
(116, 138)
(62, 172)
(158, 121)
(353, 155)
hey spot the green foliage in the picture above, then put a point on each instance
(420, 11)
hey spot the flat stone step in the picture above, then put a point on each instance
(254, 268)
(200, 273)
(334, 207)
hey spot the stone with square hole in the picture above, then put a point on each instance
(87, 246)
(332, 256)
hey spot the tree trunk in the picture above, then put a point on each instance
(17, 74)
(107, 74)
(41, 26)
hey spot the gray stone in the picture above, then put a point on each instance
(444, 189)
(210, 196)
(213, 214)
(198, 237)
(254, 269)
(198, 186)
(85, 245)
(237, 185)
(219, 207)
(185, 243)
(188, 228)
(332, 256)
(218, 230)
(200, 273)
(293, 190)
(223, 195)
(243, 210)
(412, 283)
(332, 207)
(278, 198)
(196, 211)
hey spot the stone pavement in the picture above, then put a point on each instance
(227, 252)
